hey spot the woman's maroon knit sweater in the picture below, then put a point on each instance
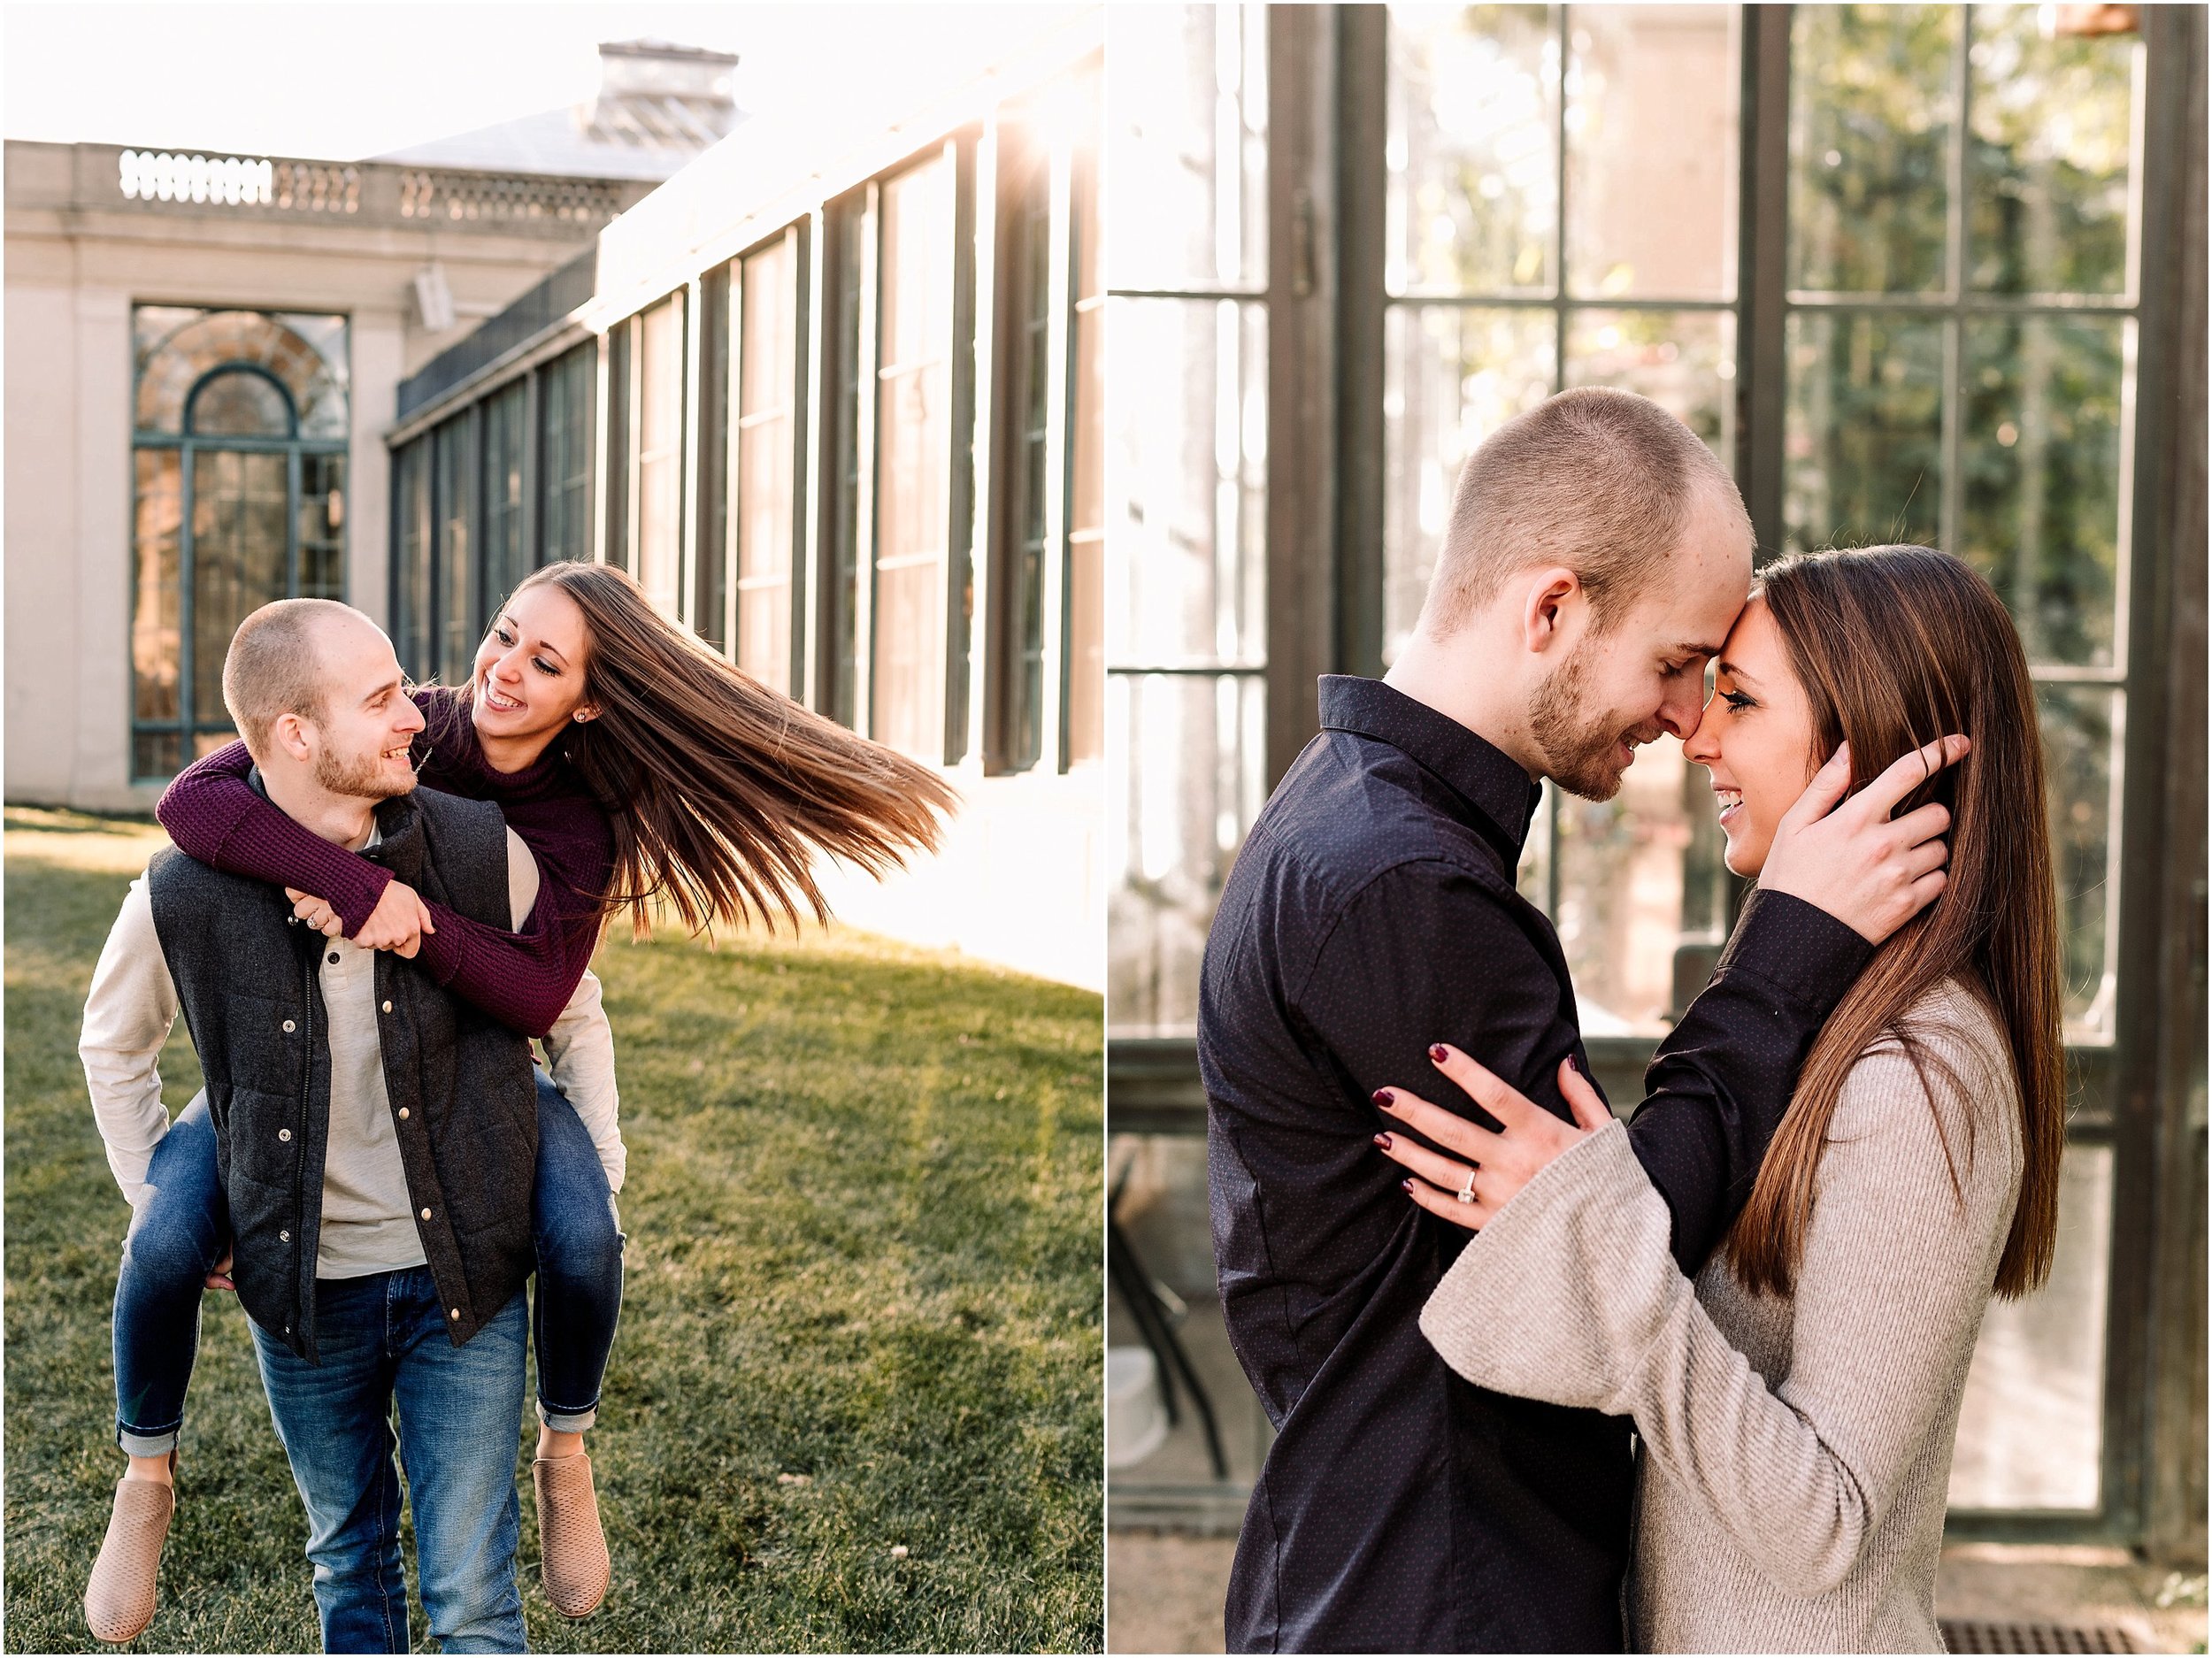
(523, 979)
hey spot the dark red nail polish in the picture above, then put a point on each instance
(1436, 1052)
(1383, 1140)
(1382, 1097)
(1406, 1186)
(1576, 1063)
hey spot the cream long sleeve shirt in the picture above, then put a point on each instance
(1796, 1452)
(133, 1005)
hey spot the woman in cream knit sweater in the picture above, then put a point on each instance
(1796, 1406)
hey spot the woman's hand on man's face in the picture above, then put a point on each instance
(1491, 1166)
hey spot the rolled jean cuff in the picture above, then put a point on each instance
(146, 1443)
(568, 1421)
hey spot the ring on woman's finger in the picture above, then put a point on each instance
(1466, 1193)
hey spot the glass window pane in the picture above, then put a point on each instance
(1029, 303)
(564, 394)
(841, 596)
(156, 642)
(239, 504)
(1188, 145)
(165, 377)
(913, 462)
(709, 608)
(505, 560)
(179, 345)
(313, 363)
(411, 631)
(2044, 404)
(2082, 726)
(1187, 485)
(616, 529)
(455, 558)
(1451, 376)
(1472, 149)
(2030, 1433)
(156, 755)
(1086, 493)
(1862, 441)
(1193, 779)
(2052, 121)
(1160, 1206)
(322, 527)
(1872, 115)
(240, 403)
(1682, 360)
(1652, 151)
(660, 480)
(765, 396)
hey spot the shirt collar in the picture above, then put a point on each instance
(1476, 770)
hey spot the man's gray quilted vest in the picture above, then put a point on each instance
(463, 1097)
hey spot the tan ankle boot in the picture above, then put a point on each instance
(575, 1567)
(118, 1601)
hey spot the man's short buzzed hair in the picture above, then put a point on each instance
(1600, 481)
(273, 667)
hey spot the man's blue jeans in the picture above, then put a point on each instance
(183, 1225)
(382, 1340)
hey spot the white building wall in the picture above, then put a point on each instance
(41, 531)
(379, 351)
(100, 770)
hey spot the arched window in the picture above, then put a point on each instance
(240, 450)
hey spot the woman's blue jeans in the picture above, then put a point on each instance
(182, 1226)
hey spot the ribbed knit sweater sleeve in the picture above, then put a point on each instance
(1572, 1294)
(523, 978)
(213, 814)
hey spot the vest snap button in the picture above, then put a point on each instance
(284, 1134)
(402, 1114)
(284, 1236)
(387, 1007)
(289, 1027)
(454, 1313)
(426, 1214)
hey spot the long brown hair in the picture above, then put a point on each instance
(719, 789)
(1895, 647)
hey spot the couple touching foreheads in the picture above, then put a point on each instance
(1544, 1380)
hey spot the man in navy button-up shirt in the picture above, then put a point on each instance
(1597, 558)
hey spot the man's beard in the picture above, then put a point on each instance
(1578, 749)
(363, 776)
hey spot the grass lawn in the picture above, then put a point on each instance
(862, 1309)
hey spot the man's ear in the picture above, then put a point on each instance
(1550, 604)
(289, 737)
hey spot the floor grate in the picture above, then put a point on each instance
(1976, 1635)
